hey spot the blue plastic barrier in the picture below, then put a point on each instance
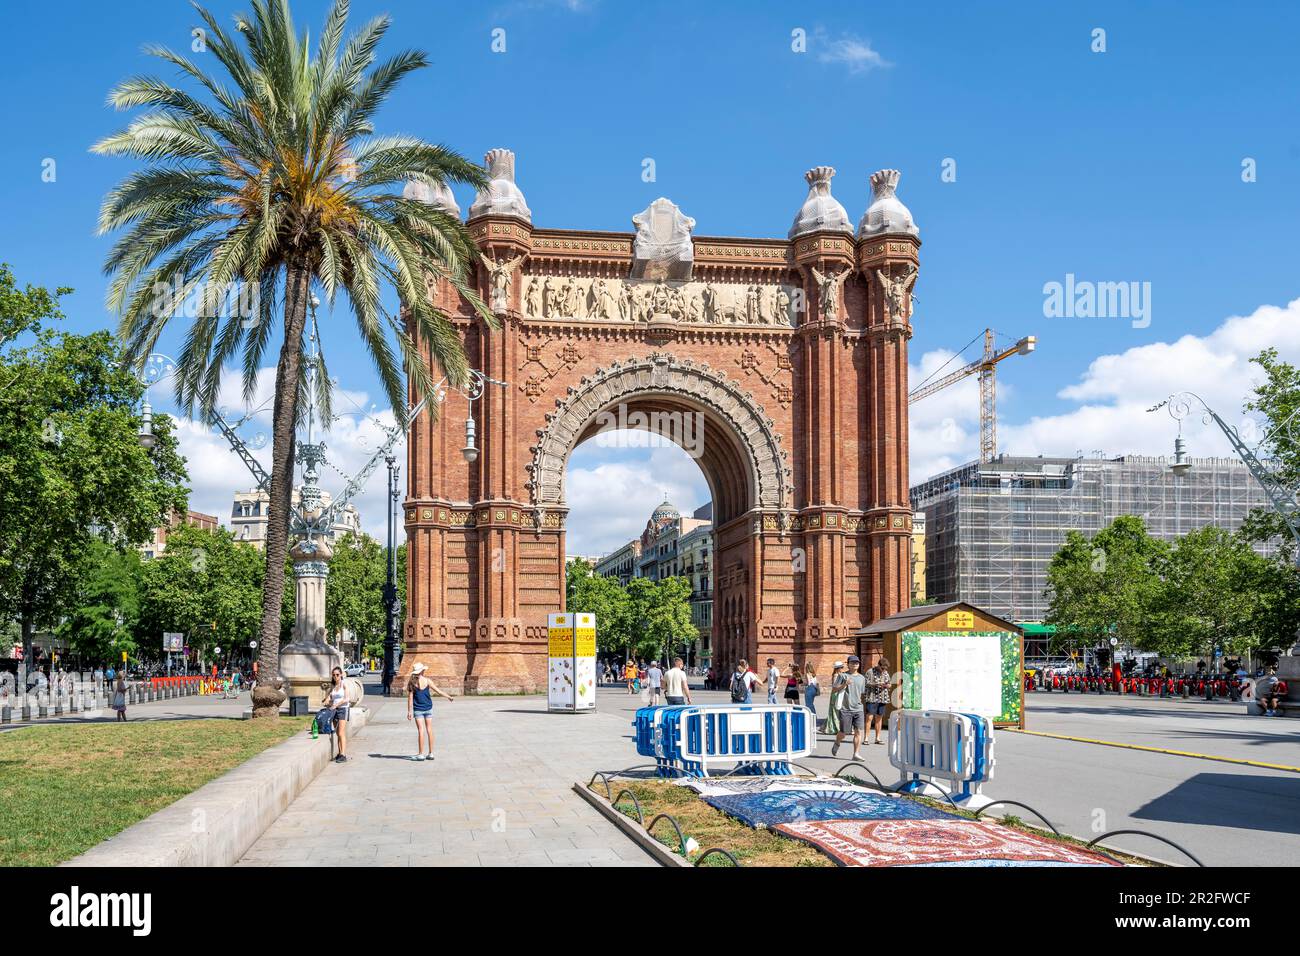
(760, 738)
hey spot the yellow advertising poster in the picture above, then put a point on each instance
(584, 627)
(559, 635)
(961, 620)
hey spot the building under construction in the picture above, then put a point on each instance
(992, 527)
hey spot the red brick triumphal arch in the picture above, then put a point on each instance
(780, 364)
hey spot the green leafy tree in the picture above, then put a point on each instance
(354, 591)
(1216, 592)
(103, 611)
(206, 585)
(272, 178)
(605, 597)
(660, 615)
(1104, 586)
(72, 470)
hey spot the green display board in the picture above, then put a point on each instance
(974, 672)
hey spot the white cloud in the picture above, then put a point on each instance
(1112, 397)
(611, 493)
(855, 53)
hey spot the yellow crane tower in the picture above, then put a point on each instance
(985, 366)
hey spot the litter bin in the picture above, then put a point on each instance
(298, 706)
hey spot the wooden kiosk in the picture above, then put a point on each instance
(952, 657)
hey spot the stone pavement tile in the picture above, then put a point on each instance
(633, 853)
(446, 859)
(515, 859)
(359, 854)
(588, 855)
(380, 839)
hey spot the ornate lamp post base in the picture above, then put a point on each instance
(307, 661)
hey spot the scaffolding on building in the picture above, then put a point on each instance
(992, 528)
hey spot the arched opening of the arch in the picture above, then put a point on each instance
(717, 569)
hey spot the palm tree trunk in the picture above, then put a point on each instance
(267, 695)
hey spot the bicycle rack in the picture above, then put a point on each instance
(681, 837)
(717, 849)
(862, 766)
(1016, 803)
(640, 817)
(1106, 836)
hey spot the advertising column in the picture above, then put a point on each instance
(584, 660)
(571, 662)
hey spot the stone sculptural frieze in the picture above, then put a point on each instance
(631, 300)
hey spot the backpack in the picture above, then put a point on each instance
(739, 692)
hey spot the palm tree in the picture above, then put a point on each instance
(271, 179)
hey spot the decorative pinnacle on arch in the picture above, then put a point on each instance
(502, 197)
(883, 183)
(820, 211)
(500, 164)
(886, 215)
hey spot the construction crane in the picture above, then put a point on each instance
(985, 366)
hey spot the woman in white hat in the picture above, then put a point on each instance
(419, 707)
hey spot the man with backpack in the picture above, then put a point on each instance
(742, 683)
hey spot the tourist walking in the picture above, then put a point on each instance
(773, 678)
(419, 707)
(810, 688)
(832, 724)
(629, 675)
(742, 683)
(877, 697)
(119, 698)
(677, 689)
(792, 685)
(655, 682)
(852, 714)
(336, 700)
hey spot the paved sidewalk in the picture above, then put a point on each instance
(497, 794)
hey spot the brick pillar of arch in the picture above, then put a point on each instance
(820, 546)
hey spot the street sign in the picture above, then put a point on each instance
(124, 657)
(173, 642)
(1114, 642)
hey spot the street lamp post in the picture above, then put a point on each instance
(1280, 486)
(390, 586)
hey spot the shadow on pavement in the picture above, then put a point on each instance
(1272, 804)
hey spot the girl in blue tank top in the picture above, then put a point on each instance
(419, 707)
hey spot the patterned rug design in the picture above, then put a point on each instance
(774, 807)
(927, 842)
(721, 786)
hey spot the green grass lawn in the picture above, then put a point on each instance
(64, 789)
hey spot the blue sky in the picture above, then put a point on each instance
(1123, 165)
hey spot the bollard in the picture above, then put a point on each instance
(58, 706)
(6, 714)
(26, 713)
(42, 707)
(72, 704)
